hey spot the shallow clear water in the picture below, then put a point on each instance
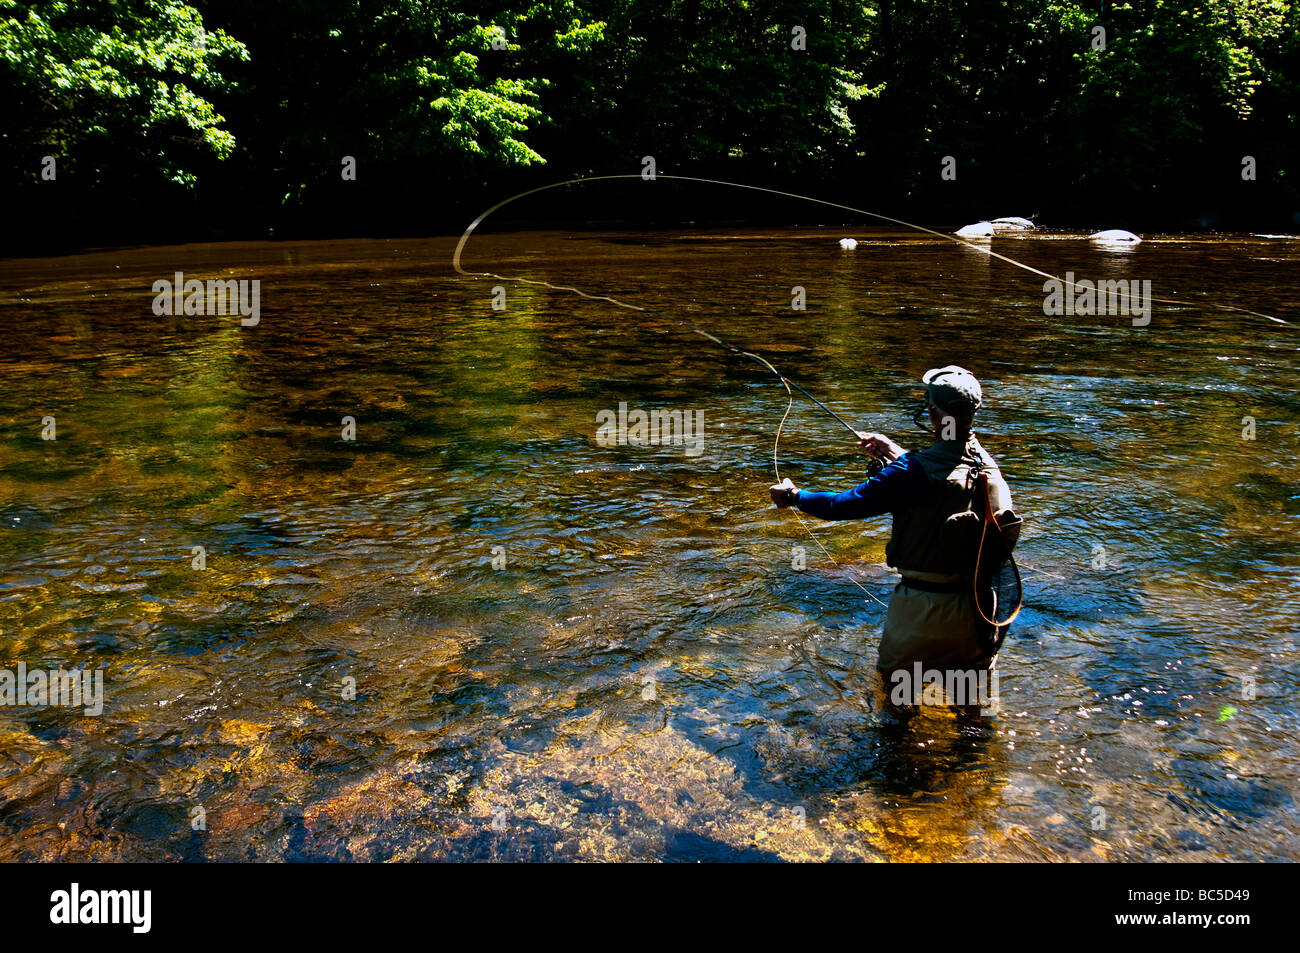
(646, 677)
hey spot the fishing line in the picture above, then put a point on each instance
(803, 198)
(789, 385)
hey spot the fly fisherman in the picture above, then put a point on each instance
(937, 503)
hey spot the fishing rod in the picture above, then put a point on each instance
(749, 355)
(757, 359)
(873, 466)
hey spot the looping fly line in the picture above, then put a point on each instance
(460, 245)
(789, 385)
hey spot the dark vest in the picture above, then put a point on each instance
(936, 539)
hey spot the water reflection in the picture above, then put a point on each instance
(560, 650)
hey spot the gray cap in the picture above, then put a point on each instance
(954, 390)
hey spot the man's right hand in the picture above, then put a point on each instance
(784, 493)
(880, 446)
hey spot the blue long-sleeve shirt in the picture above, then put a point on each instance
(901, 484)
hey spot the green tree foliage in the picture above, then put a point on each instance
(447, 101)
(1170, 101)
(977, 82)
(111, 87)
(399, 85)
(713, 82)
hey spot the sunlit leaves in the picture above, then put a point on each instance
(133, 71)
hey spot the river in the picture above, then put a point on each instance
(459, 627)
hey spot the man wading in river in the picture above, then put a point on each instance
(940, 498)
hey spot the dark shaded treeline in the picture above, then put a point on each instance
(232, 118)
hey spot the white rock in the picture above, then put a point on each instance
(1115, 235)
(978, 230)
